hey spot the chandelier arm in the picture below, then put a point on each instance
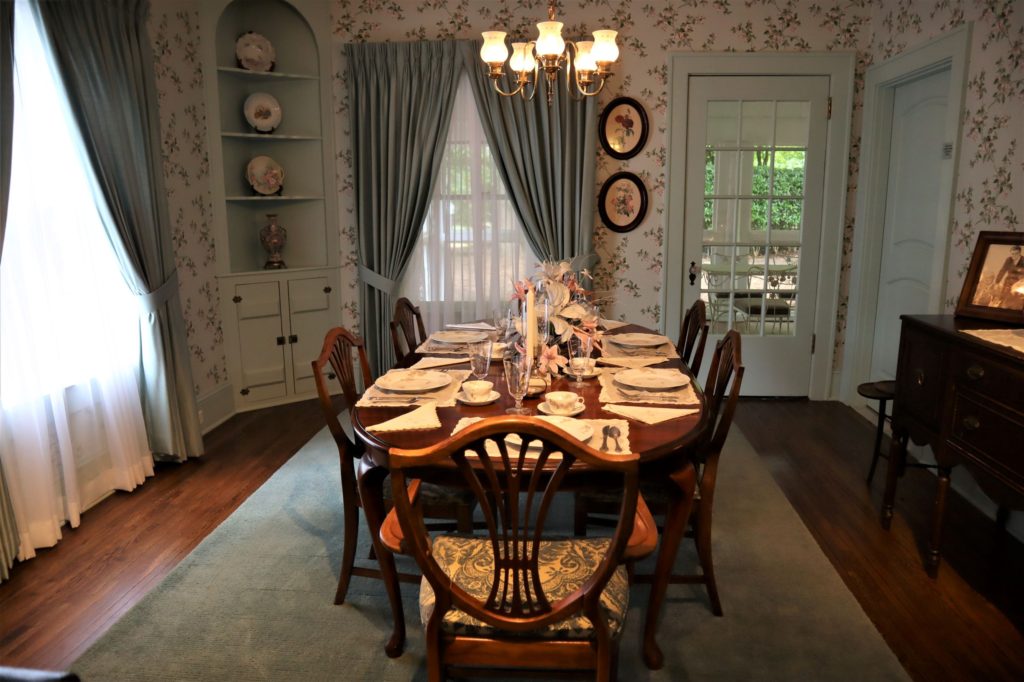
(536, 81)
(515, 92)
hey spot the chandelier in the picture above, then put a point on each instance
(587, 63)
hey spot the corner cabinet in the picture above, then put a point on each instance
(274, 319)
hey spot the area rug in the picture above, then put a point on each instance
(254, 600)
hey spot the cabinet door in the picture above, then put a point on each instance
(309, 306)
(261, 341)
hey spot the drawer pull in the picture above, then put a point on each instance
(972, 423)
(975, 372)
(919, 377)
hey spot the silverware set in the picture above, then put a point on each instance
(647, 396)
(613, 432)
(643, 353)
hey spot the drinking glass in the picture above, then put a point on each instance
(517, 377)
(480, 357)
(580, 348)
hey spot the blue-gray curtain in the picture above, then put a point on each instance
(105, 59)
(8, 528)
(546, 156)
(400, 103)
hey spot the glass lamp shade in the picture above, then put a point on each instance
(605, 50)
(584, 57)
(549, 39)
(522, 58)
(494, 49)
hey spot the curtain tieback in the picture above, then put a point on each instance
(378, 281)
(156, 298)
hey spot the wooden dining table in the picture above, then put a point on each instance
(664, 451)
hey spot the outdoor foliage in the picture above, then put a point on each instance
(789, 178)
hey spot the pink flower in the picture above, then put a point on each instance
(519, 292)
(550, 361)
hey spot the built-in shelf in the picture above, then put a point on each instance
(285, 197)
(269, 137)
(245, 73)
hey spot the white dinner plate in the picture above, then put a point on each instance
(255, 52)
(580, 430)
(262, 111)
(651, 379)
(265, 175)
(546, 409)
(637, 340)
(458, 338)
(413, 381)
(486, 400)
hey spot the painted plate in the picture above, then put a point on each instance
(458, 338)
(254, 52)
(637, 340)
(413, 381)
(651, 379)
(580, 430)
(265, 175)
(262, 111)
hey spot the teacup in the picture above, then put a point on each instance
(477, 390)
(584, 366)
(563, 402)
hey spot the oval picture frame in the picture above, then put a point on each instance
(622, 202)
(618, 129)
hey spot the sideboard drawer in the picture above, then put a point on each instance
(984, 375)
(992, 436)
(921, 378)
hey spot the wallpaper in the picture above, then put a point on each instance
(631, 264)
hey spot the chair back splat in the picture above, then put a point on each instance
(406, 327)
(693, 335)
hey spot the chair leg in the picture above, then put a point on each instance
(579, 516)
(348, 550)
(879, 432)
(464, 518)
(707, 564)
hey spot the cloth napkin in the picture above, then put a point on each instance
(611, 324)
(595, 441)
(429, 362)
(612, 393)
(428, 347)
(423, 417)
(444, 397)
(649, 415)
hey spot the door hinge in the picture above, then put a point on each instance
(814, 342)
(828, 114)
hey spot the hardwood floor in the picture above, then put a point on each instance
(957, 627)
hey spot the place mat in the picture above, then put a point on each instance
(422, 418)
(649, 415)
(443, 397)
(611, 393)
(428, 347)
(610, 349)
(595, 441)
(631, 363)
(429, 362)
(1011, 338)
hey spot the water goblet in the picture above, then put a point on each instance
(517, 377)
(580, 348)
(480, 357)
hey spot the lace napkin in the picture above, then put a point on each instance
(649, 415)
(1011, 338)
(429, 362)
(595, 441)
(423, 417)
(442, 397)
(610, 349)
(613, 393)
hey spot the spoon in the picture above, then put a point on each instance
(614, 432)
(604, 432)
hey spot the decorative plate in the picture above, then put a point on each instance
(650, 379)
(458, 338)
(265, 175)
(254, 52)
(413, 381)
(622, 129)
(546, 409)
(622, 202)
(580, 430)
(262, 111)
(637, 340)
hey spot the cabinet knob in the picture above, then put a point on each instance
(975, 372)
(244, 391)
(919, 377)
(331, 375)
(293, 338)
(972, 423)
(327, 290)
(237, 299)
(280, 340)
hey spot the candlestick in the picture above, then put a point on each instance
(531, 322)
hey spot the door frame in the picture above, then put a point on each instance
(950, 51)
(839, 67)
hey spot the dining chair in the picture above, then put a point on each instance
(693, 335)
(340, 346)
(513, 598)
(408, 320)
(721, 392)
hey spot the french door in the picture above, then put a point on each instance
(754, 194)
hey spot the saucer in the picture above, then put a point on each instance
(543, 407)
(466, 400)
(586, 375)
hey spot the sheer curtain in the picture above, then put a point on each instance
(471, 246)
(71, 425)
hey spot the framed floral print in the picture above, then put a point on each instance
(994, 285)
(622, 202)
(623, 128)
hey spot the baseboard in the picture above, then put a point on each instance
(216, 407)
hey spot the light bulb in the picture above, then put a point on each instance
(584, 57)
(522, 58)
(494, 49)
(549, 39)
(605, 50)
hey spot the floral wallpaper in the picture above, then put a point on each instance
(631, 267)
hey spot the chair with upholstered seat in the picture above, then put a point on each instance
(693, 335)
(407, 330)
(512, 597)
(439, 502)
(721, 391)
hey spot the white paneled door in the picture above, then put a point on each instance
(754, 194)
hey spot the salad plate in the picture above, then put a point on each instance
(651, 379)
(637, 340)
(262, 111)
(254, 52)
(413, 381)
(458, 338)
(265, 175)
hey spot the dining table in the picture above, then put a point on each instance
(664, 448)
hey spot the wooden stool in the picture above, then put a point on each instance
(882, 391)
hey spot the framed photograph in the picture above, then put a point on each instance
(623, 128)
(622, 202)
(994, 286)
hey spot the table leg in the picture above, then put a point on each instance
(676, 520)
(938, 514)
(897, 456)
(371, 494)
